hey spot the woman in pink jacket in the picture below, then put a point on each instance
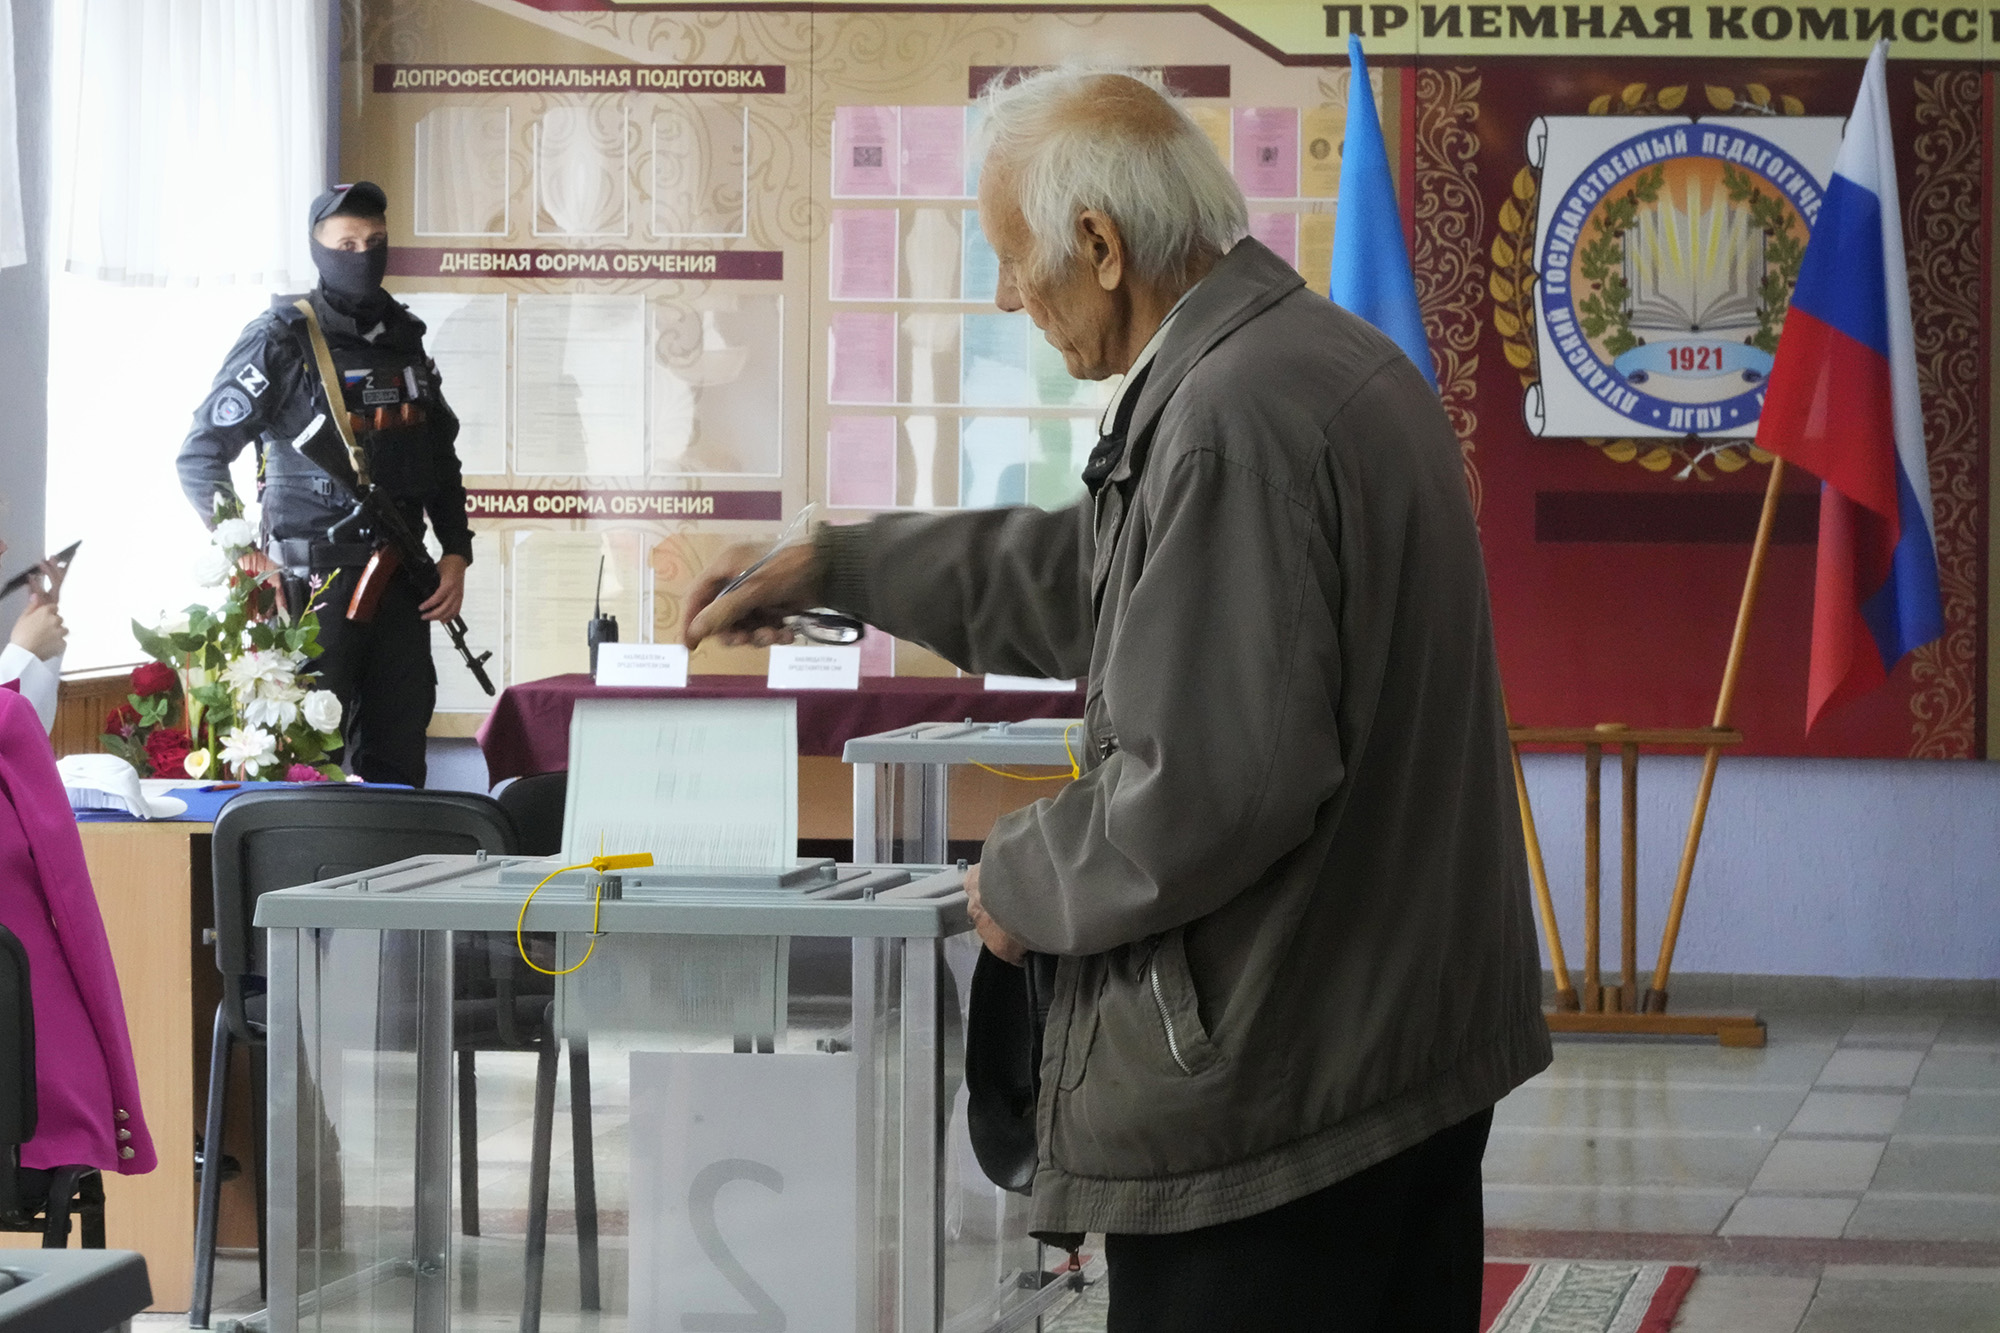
(86, 1086)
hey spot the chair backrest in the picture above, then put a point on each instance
(17, 1049)
(535, 804)
(268, 840)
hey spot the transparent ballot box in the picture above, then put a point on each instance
(739, 1108)
(902, 778)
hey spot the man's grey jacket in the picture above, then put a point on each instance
(1289, 895)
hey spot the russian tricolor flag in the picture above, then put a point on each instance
(1842, 403)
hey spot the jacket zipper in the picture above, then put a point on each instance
(1166, 1019)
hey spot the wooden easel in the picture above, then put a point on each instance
(1620, 1008)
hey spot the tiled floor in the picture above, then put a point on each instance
(1844, 1178)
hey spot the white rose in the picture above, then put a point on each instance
(322, 710)
(177, 623)
(235, 534)
(213, 567)
(248, 748)
(197, 763)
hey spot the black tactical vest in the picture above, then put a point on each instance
(389, 390)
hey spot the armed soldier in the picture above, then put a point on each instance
(268, 392)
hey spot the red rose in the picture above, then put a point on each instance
(121, 720)
(167, 751)
(153, 678)
(304, 773)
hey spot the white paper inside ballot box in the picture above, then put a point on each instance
(744, 1192)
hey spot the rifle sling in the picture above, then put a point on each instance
(329, 378)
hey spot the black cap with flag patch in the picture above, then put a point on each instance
(361, 199)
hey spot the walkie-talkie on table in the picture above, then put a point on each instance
(602, 628)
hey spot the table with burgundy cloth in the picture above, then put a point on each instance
(528, 729)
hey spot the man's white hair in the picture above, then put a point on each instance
(1069, 146)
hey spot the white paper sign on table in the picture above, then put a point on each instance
(807, 666)
(660, 666)
(744, 1197)
(1028, 683)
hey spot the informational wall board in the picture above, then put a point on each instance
(688, 270)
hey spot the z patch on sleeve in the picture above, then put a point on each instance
(253, 381)
(230, 407)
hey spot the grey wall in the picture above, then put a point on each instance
(1808, 867)
(24, 311)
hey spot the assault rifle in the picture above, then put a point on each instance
(377, 516)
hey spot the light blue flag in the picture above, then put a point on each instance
(1371, 267)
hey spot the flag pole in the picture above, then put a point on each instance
(1656, 995)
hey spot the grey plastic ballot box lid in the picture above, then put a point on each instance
(71, 1291)
(1036, 742)
(470, 893)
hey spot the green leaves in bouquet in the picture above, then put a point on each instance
(154, 711)
(132, 752)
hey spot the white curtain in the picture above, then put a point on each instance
(190, 136)
(13, 228)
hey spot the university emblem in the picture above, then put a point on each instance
(1665, 253)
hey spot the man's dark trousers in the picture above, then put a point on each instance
(384, 676)
(1399, 1248)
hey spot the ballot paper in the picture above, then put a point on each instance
(696, 782)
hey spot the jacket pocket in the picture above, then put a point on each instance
(1080, 1031)
(1170, 984)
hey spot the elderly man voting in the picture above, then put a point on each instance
(1288, 898)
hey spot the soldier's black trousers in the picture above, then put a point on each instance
(383, 674)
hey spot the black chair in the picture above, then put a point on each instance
(535, 805)
(34, 1200)
(276, 839)
(44, 1292)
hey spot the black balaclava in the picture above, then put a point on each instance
(351, 279)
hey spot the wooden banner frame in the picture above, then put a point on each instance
(1619, 1009)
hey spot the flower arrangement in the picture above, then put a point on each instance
(224, 693)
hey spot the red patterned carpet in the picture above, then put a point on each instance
(1595, 1296)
